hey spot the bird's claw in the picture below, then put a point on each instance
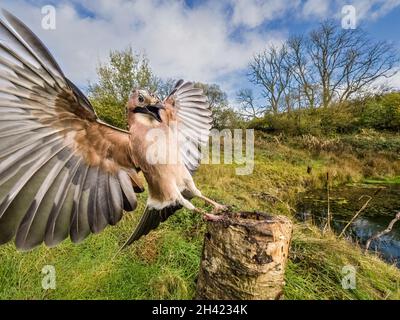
(212, 217)
(220, 208)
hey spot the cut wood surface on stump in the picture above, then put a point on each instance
(244, 257)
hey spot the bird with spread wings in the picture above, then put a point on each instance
(64, 172)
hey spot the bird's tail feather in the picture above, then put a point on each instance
(150, 220)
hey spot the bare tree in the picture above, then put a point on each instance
(165, 87)
(268, 69)
(302, 71)
(346, 62)
(329, 65)
(248, 107)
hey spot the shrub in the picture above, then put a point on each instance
(379, 112)
(382, 113)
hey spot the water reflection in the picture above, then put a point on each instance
(345, 202)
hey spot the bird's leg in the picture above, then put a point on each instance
(217, 207)
(207, 216)
(197, 193)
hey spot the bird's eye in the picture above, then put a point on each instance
(141, 99)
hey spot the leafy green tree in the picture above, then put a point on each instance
(123, 71)
(223, 115)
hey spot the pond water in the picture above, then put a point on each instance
(345, 202)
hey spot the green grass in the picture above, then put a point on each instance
(315, 269)
(391, 180)
(164, 264)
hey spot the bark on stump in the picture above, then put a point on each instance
(244, 257)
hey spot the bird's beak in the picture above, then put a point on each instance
(153, 110)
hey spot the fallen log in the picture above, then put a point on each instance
(382, 233)
(244, 257)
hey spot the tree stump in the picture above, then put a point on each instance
(244, 257)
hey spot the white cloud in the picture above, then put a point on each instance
(315, 8)
(253, 13)
(394, 82)
(385, 8)
(193, 44)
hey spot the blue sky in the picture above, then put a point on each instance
(209, 41)
(387, 27)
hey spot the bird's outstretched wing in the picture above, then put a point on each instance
(62, 171)
(187, 108)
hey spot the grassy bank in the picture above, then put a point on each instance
(164, 264)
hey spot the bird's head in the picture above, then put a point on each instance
(145, 103)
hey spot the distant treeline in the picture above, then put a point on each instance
(379, 112)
